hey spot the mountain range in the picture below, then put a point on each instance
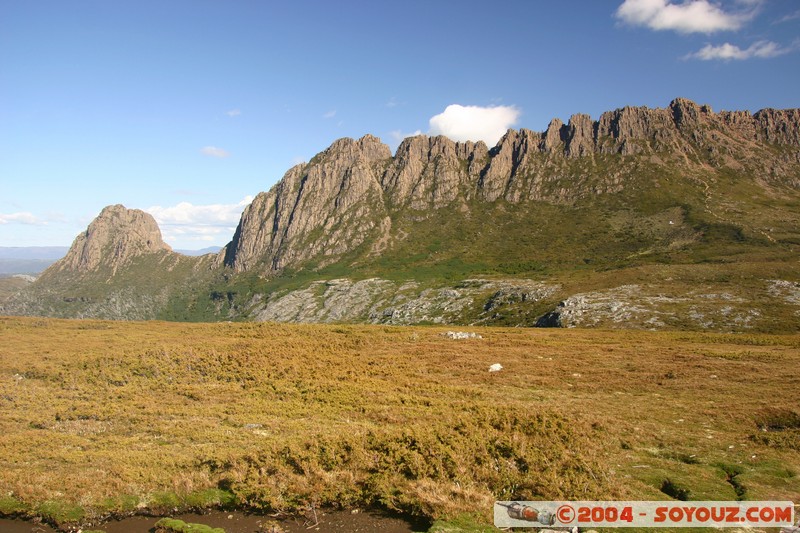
(677, 217)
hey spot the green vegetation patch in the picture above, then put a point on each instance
(464, 523)
(60, 512)
(172, 525)
(10, 506)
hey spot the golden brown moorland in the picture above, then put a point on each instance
(103, 418)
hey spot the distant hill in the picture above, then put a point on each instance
(673, 218)
(203, 251)
(29, 259)
(35, 259)
(45, 253)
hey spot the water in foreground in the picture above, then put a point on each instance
(238, 522)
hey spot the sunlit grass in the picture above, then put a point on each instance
(112, 418)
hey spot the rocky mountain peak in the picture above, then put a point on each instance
(553, 138)
(688, 113)
(116, 236)
(368, 148)
(350, 193)
(332, 195)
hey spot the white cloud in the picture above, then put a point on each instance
(233, 113)
(474, 123)
(206, 223)
(329, 114)
(728, 52)
(789, 17)
(21, 218)
(188, 213)
(690, 16)
(213, 151)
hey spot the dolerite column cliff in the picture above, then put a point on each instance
(431, 172)
(351, 195)
(324, 208)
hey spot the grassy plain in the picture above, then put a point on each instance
(102, 418)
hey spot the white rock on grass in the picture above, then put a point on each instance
(461, 335)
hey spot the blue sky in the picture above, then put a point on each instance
(187, 109)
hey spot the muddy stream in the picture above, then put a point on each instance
(238, 522)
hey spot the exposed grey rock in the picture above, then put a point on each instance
(518, 293)
(580, 136)
(553, 139)
(429, 173)
(354, 201)
(461, 335)
(779, 126)
(789, 291)
(380, 301)
(338, 300)
(126, 303)
(635, 306)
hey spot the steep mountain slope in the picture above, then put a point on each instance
(354, 191)
(676, 217)
(119, 268)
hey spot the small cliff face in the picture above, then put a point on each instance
(347, 195)
(323, 208)
(115, 237)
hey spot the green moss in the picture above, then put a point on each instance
(165, 500)
(120, 504)
(172, 525)
(61, 512)
(464, 523)
(11, 506)
(210, 498)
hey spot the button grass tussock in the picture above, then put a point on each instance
(111, 419)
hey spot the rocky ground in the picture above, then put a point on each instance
(531, 303)
(380, 301)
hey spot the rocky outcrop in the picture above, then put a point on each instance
(347, 196)
(581, 138)
(429, 173)
(380, 301)
(324, 208)
(642, 307)
(776, 126)
(111, 241)
(788, 291)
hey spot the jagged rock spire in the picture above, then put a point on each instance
(112, 239)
